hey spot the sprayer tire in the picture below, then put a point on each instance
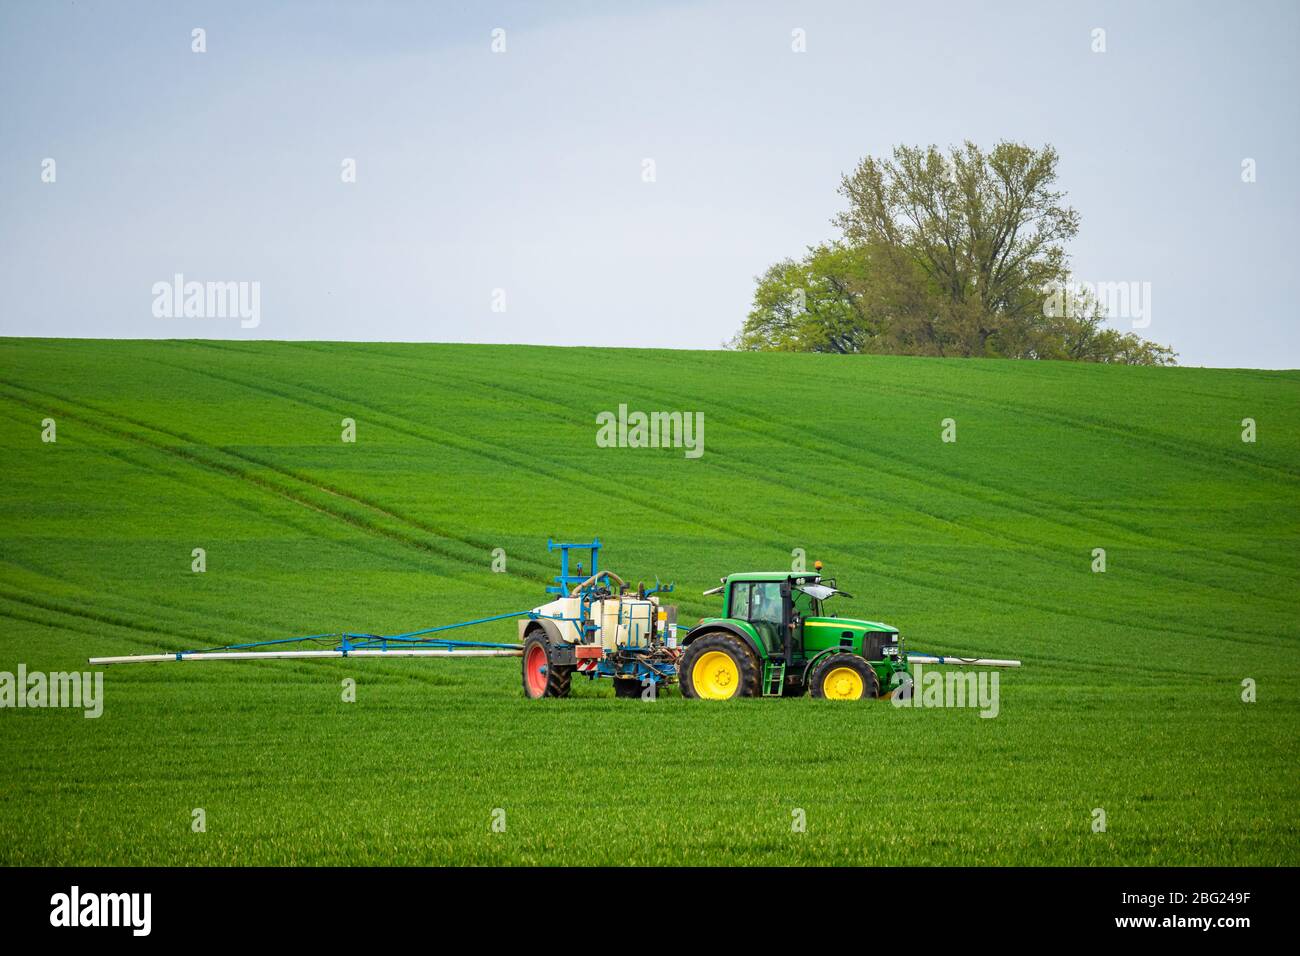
(540, 677)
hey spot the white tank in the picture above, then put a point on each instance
(622, 619)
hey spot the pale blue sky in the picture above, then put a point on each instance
(523, 170)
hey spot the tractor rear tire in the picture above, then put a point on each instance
(541, 678)
(718, 667)
(844, 677)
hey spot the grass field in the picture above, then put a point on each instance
(1130, 699)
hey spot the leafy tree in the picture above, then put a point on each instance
(942, 254)
(809, 305)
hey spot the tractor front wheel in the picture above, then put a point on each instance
(541, 677)
(718, 667)
(844, 677)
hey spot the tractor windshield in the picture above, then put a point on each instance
(806, 604)
(808, 598)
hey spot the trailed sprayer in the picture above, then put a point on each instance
(776, 636)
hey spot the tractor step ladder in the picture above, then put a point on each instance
(773, 678)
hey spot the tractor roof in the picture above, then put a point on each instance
(774, 576)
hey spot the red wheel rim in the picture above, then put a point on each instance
(535, 670)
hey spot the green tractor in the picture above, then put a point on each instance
(775, 639)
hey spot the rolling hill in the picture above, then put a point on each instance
(1130, 700)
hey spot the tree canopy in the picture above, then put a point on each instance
(950, 254)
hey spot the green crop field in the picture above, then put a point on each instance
(1130, 700)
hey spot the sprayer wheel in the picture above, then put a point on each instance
(541, 678)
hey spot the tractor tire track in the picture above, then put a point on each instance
(393, 671)
(94, 617)
(925, 467)
(943, 585)
(1046, 511)
(1193, 452)
(228, 471)
(482, 448)
(242, 474)
(1185, 449)
(188, 478)
(1032, 546)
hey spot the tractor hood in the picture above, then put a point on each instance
(848, 624)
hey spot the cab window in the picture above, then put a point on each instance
(765, 602)
(757, 601)
(740, 601)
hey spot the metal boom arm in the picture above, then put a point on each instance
(411, 644)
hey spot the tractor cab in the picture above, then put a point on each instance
(764, 604)
(776, 605)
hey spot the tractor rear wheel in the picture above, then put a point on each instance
(542, 678)
(718, 667)
(844, 677)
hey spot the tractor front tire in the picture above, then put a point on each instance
(718, 667)
(844, 677)
(542, 678)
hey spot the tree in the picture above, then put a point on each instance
(808, 305)
(941, 255)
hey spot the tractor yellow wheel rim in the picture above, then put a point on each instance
(715, 676)
(843, 683)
